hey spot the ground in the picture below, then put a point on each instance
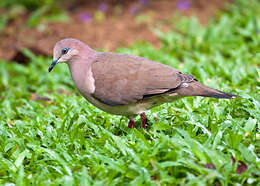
(117, 29)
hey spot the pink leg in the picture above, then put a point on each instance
(131, 124)
(143, 117)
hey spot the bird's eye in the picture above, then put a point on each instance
(64, 51)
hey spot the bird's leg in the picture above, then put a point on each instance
(131, 123)
(143, 118)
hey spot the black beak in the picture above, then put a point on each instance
(53, 64)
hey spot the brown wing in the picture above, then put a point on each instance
(122, 78)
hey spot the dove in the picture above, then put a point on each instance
(124, 84)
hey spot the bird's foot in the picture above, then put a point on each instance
(131, 124)
(143, 118)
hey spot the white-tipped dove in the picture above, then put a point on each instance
(124, 84)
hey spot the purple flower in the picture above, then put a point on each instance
(85, 17)
(103, 7)
(183, 5)
(134, 10)
(143, 1)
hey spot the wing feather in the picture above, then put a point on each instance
(121, 79)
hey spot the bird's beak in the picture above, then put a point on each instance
(54, 62)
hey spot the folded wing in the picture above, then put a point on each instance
(122, 79)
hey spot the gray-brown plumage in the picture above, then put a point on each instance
(125, 84)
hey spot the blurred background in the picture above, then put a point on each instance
(50, 135)
(106, 24)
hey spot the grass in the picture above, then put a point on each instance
(64, 140)
(40, 11)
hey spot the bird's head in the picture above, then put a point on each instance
(66, 50)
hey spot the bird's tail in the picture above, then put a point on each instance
(195, 88)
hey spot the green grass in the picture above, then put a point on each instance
(67, 141)
(40, 11)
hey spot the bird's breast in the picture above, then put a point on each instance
(83, 78)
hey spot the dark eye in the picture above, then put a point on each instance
(64, 51)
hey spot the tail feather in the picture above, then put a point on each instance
(195, 88)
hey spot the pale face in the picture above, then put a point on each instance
(62, 53)
(65, 54)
